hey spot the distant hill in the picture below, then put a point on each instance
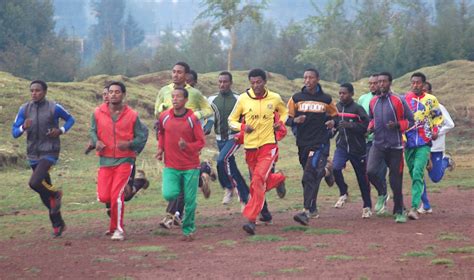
(452, 83)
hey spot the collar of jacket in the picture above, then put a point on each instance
(252, 95)
(411, 94)
(319, 89)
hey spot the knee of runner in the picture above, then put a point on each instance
(103, 198)
(35, 184)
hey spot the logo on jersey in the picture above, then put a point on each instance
(312, 106)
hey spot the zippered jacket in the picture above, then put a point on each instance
(259, 114)
(172, 129)
(45, 115)
(196, 101)
(428, 119)
(318, 109)
(386, 108)
(352, 139)
(222, 104)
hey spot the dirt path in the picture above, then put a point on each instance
(352, 248)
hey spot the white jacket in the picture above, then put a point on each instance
(448, 124)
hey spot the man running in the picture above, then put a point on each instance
(39, 118)
(390, 118)
(428, 119)
(180, 139)
(118, 135)
(254, 114)
(350, 146)
(312, 112)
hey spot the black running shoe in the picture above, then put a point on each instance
(249, 228)
(302, 218)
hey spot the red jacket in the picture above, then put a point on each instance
(171, 129)
(111, 133)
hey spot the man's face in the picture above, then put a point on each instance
(37, 92)
(384, 83)
(224, 83)
(344, 95)
(190, 80)
(311, 80)
(258, 85)
(116, 95)
(417, 85)
(373, 84)
(178, 99)
(178, 75)
(105, 95)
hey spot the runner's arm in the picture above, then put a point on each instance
(17, 127)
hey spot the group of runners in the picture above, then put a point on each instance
(374, 134)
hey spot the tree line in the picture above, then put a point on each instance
(345, 43)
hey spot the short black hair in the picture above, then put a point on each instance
(348, 86)
(187, 69)
(226, 73)
(313, 70)
(257, 73)
(429, 86)
(120, 84)
(194, 74)
(184, 91)
(419, 74)
(43, 84)
(374, 75)
(386, 74)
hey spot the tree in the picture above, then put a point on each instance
(28, 45)
(228, 14)
(256, 44)
(109, 60)
(109, 26)
(202, 50)
(133, 34)
(168, 52)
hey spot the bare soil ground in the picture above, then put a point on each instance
(338, 245)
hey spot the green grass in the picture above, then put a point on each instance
(265, 238)
(149, 249)
(229, 243)
(122, 278)
(294, 228)
(339, 258)
(260, 274)
(446, 262)
(375, 246)
(462, 250)
(324, 231)
(103, 260)
(291, 270)
(294, 248)
(417, 254)
(451, 236)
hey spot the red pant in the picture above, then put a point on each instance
(111, 183)
(260, 162)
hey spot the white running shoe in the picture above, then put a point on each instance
(422, 210)
(229, 193)
(118, 235)
(366, 213)
(341, 201)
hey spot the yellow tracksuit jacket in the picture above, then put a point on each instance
(259, 114)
